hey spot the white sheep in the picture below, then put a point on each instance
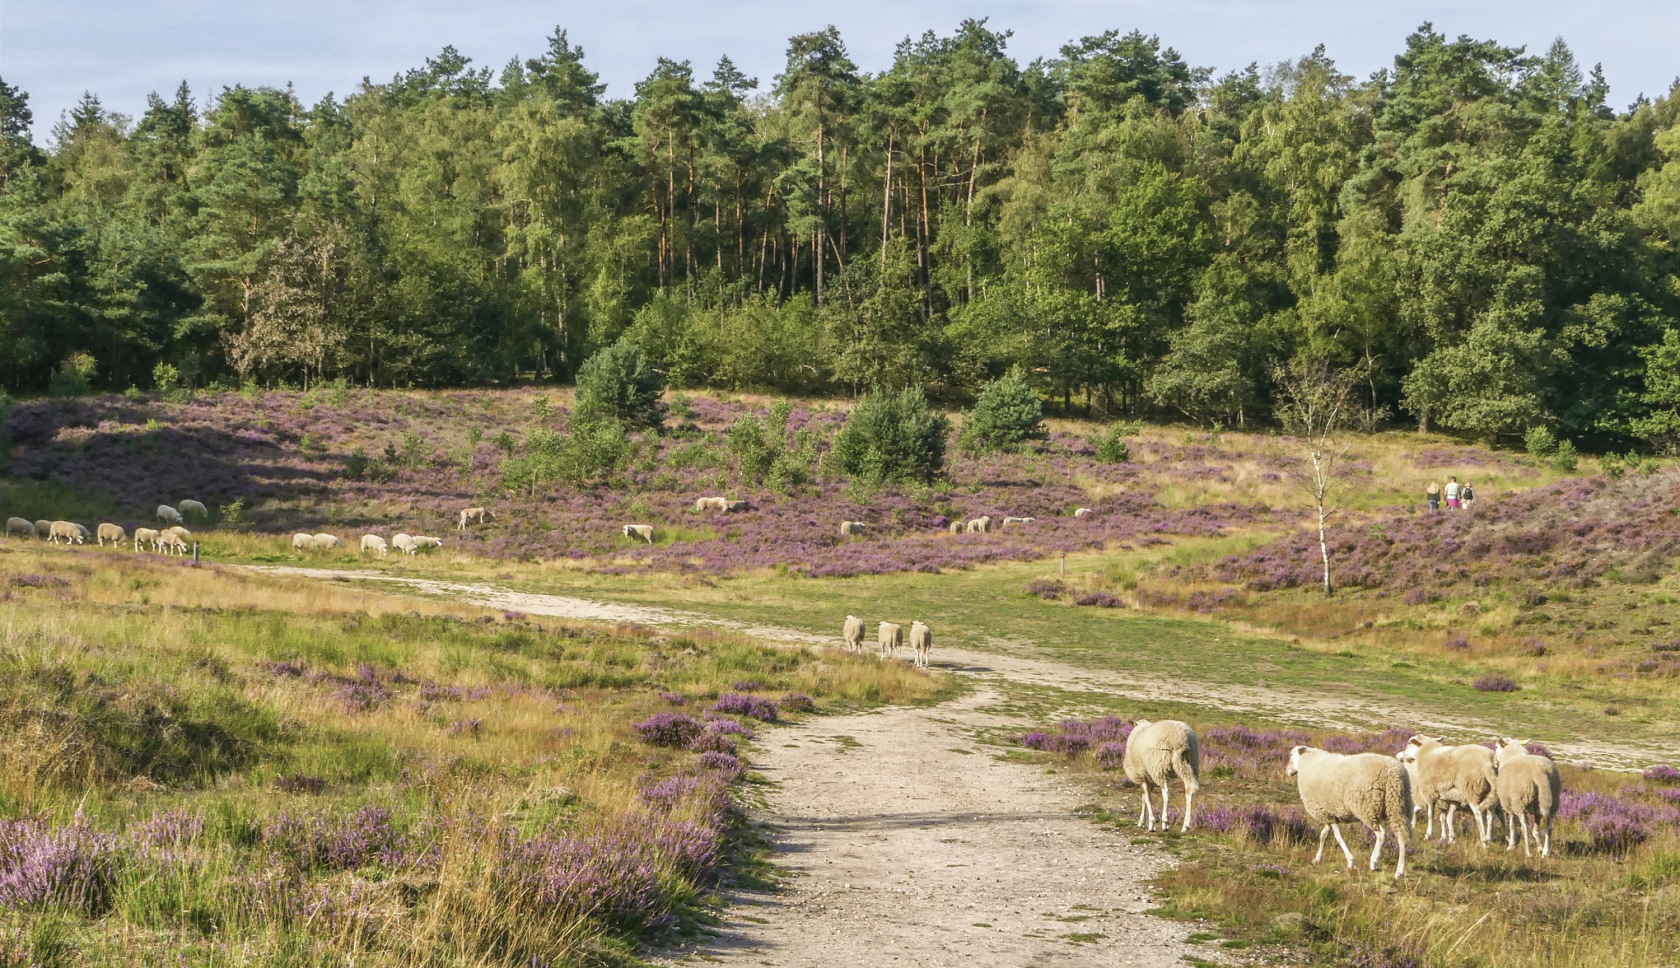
(890, 638)
(1449, 775)
(168, 541)
(1009, 521)
(921, 643)
(404, 544)
(1157, 752)
(1529, 787)
(168, 515)
(303, 542)
(848, 528)
(852, 632)
(71, 533)
(981, 524)
(1083, 512)
(181, 532)
(193, 507)
(422, 542)
(955, 527)
(1337, 788)
(711, 504)
(112, 533)
(643, 531)
(147, 537)
(20, 526)
(374, 543)
(475, 515)
(324, 541)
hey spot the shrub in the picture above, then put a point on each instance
(891, 436)
(1539, 442)
(1110, 444)
(1099, 600)
(798, 702)
(752, 446)
(1047, 589)
(616, 382)
(73, 376)
(1007, 414)
(669, 729)
(754, 707)
(1663, 773)
(1494, 682)
(1565, 458)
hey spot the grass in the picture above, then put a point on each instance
(420, 749)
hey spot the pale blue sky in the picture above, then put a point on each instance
(121, 49)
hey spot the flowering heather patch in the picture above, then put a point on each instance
(669, 729)
(1100, 600)
(674, 698)
(798, 702)
(615, 875)
(176, 828)
(748, 685)
(1494, 682)
(365, 836)
(69, 866)
(286, 670)
(713, 742)
(724, 763)
(1048, 589)
(1260, 824)
(719, 725)
(753, 707)
(39, 581)
(1073, 736)
(298, 783)
(1663, 773)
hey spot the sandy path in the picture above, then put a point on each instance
(1023, 662)
(902, 843)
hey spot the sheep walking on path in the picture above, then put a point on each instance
(474, 516)
(890, 638)
(643, 531)
(1449, 775)
(193, 507)
(1530, 788)
(1337, 788)
(852, 631)
(112, 533)
(374, 543)
(147, 537)
(921, 643)
(849, 528)
(1157, 752)
(20, 526)
(168, 515)
(711, 504)
(71, 532)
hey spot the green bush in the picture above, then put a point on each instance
(617, 383)
(1110, 444)
(1008, 414)
(891, 436)
(1539, 442)
(74, 376)
(592, 451)
(752, 446)
(1564, 457)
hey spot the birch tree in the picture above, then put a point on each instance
(1316, 406)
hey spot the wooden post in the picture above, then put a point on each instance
(195, 552)
(1064, 564)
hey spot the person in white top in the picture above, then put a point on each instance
(1452, 493)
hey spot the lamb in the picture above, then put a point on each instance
(145, 536)
(1083, 512)
(20, 526)
(303, 542)
(112, 532)
(1368, 787)
(478, 515)
(890, 638)
(982, 523)
(711, 504)
(852, 632)
(168, 541)
(1453, 775)
(373, 542)
(422, 541)
(921, 643)
(404, 544)
(1529, 787)
(1009, 521)
(1155, 753)
(168, 515)
(848, 528)
(643, 531)
(194, 507)
(71, 533)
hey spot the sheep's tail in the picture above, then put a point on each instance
(1399, 805)
(1187, 763)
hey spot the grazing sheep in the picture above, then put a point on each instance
(981, 523)
(422, 541)
(20, 526)
(145, 536)
(168, 541)
(1157, 752)
(733, 506)
(324, 541)
(184, 534)
(168, 515)
(1083, 512)
(848, 528)
(373, 542)
(1530, 787)
(70, 532)
(890, 638)
(194, 507)
(476, 515)
(643, 531)
(43, 529)
(711, 504)
(1009, 521)
(921, 643)
(956, 527)
(303, 542)
(1450, 775)
(112, 532)
(404, 544)
(1368, 787)
(852, 631)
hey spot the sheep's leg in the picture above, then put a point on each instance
(1484, 823)
(1511, 835)
(1376, 852)
(1337, 829)
(1165, 787)
(1322, 836)
(1449, 826)
(1144, 812)
(1429, 811)
(1545, 845)
(1189, 804)
(1523, 819)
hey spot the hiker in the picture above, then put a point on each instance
(1466, 497)
(1453, 490)
(1434, 494)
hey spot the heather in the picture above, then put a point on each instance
(325, 775)
(1246, 866)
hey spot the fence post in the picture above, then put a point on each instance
(195, 552)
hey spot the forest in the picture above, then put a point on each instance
(1475, 230)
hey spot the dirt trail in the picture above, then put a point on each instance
(901, 843)
(1017, 662)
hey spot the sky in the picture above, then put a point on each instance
(122, 49)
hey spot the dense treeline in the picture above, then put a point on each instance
(1474, 228)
